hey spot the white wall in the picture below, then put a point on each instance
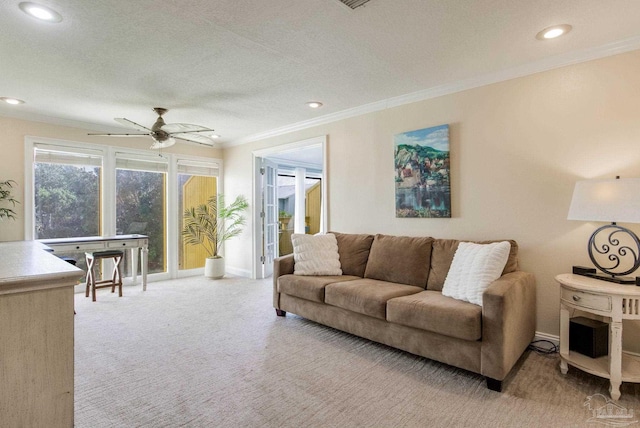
(517, 148)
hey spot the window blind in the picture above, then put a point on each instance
(44, 153)
(207, 169)
(141, 163)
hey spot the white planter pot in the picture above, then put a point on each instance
(214, 267)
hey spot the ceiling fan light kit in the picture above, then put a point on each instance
(165, 134)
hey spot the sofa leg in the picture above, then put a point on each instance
(281, 313)
(494, 384)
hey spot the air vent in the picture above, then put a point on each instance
(353, 3)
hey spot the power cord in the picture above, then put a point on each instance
(549, 348)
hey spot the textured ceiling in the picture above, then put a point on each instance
(246, 67)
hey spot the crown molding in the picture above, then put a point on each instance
(557, 61)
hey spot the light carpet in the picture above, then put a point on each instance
(201, 353)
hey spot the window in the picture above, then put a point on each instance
(141, 196)
(66, 190)
(82, 189)
(197, 183)
(67, 194)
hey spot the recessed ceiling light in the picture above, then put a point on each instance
(13, 101)
(43, 13)
(553, 32)
(215, 136)
(314, 104)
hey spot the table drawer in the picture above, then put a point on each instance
(123, 244)
(77, 247)
(587, 300)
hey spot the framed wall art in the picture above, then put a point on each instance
(422, 176)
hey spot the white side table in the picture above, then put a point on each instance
(613, 301)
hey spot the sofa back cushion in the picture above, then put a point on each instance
(400, 259)
(354, 252)
(442, 256)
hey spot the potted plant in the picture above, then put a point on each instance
(5, 196)
(210, 225)
(284, 218)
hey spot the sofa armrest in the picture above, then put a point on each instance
(281, 266)
(508, 322)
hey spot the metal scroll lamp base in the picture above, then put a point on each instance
(619, 243)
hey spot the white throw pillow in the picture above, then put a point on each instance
(316, 254)
(473, 268)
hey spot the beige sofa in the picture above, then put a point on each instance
(390, 292)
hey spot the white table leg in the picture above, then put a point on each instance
(144, 261)
(615, 358)
(564, 338)
(133, 268)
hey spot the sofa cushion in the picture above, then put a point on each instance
(442, 254)
(308, 287)
(315, 254)
(400, 259)
(473, 268)
(354, 252)
(366, 296)
(431, 311)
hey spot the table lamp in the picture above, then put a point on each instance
(613, 249)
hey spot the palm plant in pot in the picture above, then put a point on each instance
(210, 225)
(5, 196)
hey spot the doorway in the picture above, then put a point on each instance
(289, 191)
(300, 165)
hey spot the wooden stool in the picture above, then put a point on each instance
(116, 277)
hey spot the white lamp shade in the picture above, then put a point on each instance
(610, 200)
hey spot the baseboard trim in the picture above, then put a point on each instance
(238, 272)
(545, 336)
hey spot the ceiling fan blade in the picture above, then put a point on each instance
(161, 145)
(120, 135)
(130, 124)
(195, 138)
(175, 128)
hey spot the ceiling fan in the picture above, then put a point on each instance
(166, 134)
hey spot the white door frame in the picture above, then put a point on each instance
(321, 141)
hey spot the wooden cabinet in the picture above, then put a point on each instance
(615, 303)
(36, 336)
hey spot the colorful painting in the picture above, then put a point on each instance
(423, 185)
